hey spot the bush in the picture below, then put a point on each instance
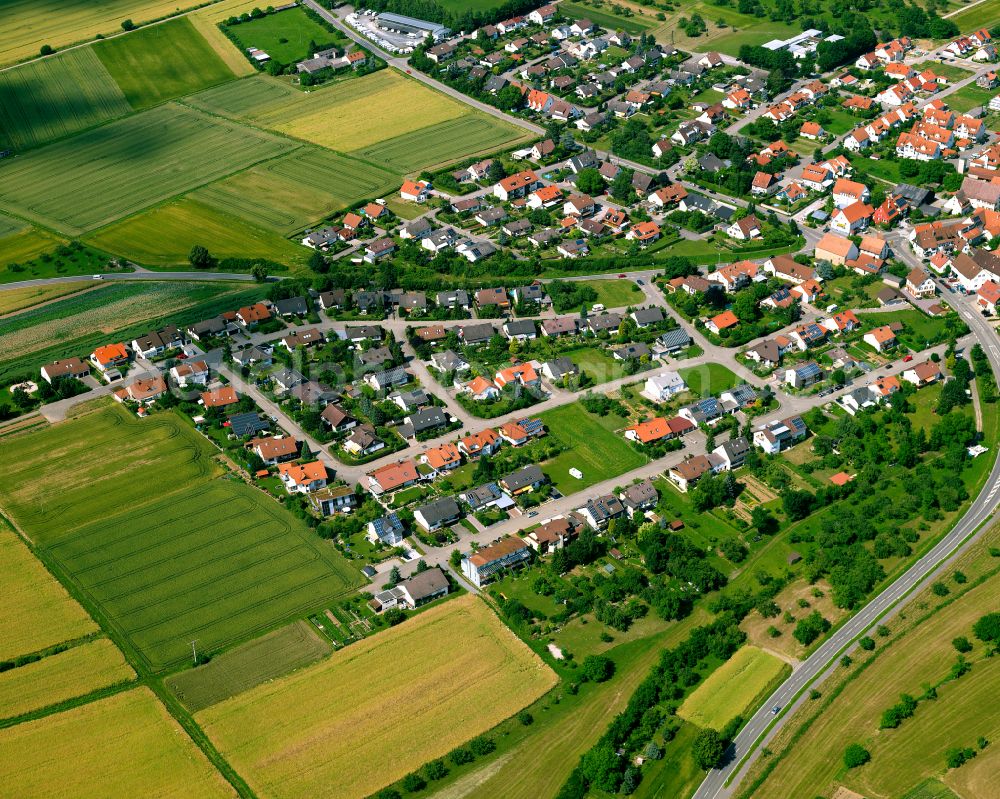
(856, 755)
(962, 644)
(388, 793)
(987, 629)
(413, 783)
(867, 644)
(482, 746)
(525, 718)
(940, 589)
(957, 757)
(436, 770)
(461, 756)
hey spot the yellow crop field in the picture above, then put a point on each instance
(18, 299)
(730, 689)
(125, 745)
(24, 246)
(29, 24)
(37, 610)
(380, 708)
(348, 123)
(206, 22)
(75, 672)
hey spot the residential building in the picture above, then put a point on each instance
(437, 514)
(488, 563)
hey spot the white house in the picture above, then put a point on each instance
(661, 387)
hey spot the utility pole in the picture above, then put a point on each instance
(194, 652)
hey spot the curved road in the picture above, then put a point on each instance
(722, 783)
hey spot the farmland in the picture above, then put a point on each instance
(294, 737)
(983, 15)
(125, 745)
(288, 193)
(65, 675)
(143, 314)
(38, 612)
(29, 24)
(165, 571)
(108, 172)
(592, 447)
(19, 299)
(249, 665)
(368, 110)
(163, 236)
(161, 62)
(438, 144)
(731, 689)
(55, 97)
(99, 311)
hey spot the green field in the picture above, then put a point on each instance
(610, 22)
(983, 15)
(10, 226)
(969, 97)
(57, 96)
(198, 558)
(23, 246)
(592, 447)
(461, 6)
(249, 665)
(163, 236)
(730, 690)
(29, 24)
(709, 378)
(162, 62)
(284, 36)
(243, 99)
(438, 144)
(286, 194)
(118, 169)
(113, 312)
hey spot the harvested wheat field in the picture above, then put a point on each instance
(379, 708)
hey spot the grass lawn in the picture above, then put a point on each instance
(611, 293)
(520, 586)
(597, 363)
(677, 774)
(969, 97)
(758, 33)
(839, 123)
(709, 378)
(919, 329)
(592, 447)
(733, 688)
(295, 736)
(883, 169)
(162, 62)
(953, 72)
(199, 558)
(284, 36)
(124, 745)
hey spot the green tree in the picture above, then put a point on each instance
(128, 25)
(598, 668)
(987, 629)
(200, 258)
(708, 749)
(589, 181)
(259, 272)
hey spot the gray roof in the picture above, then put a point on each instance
(523, 477)
(293, 306)
(520, 327)
(647, 316)
(562, 365)
(481, 331)
(483, 495)
(247, 424)
(640, 494)
(439, 510)
(427, 418)
(678, 337)
(425, 584)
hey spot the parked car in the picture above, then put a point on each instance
(907, 359)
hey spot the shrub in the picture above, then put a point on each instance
(940, 589)
(867, 644)
(810, 628)
(957, 757)
(482, 746)
(856, 755)
(962, 644)
(461, 756)
(525, 718)
(413, 783)
(598, 668)
(436, 770)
